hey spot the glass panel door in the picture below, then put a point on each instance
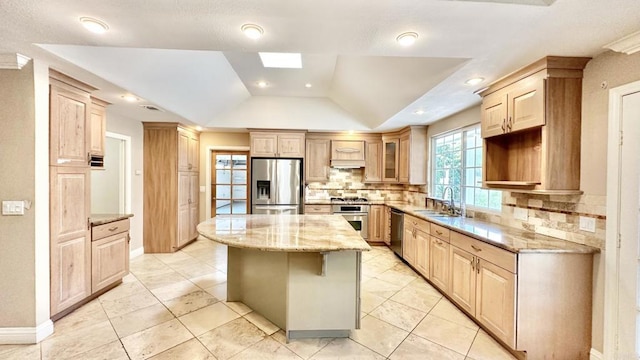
(229, 182)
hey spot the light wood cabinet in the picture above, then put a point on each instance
(98, 126)
(373, 161)
(403, 159)
(390, 155)
(415, 244)
(405, 156)
(376, 223)
(277, 144)
(422, 252)
(109, 254)
(317, 160)
(462, 281)
(347, 153)
(439, 263)
(531, 124)
(387, 225)
(171, 195)
(317, 209)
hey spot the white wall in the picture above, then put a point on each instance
(106, 195)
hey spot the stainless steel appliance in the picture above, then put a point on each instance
(355, 211)
(397, 223)
(276, 186)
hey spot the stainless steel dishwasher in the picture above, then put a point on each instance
(397, 223)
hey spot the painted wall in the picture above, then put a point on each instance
(106, 194)
(119, 124)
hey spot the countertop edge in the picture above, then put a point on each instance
(101, 219)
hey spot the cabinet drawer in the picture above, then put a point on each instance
(112, 228)
(440, 232)
(502, 258)
(317, 209)
(419, 224)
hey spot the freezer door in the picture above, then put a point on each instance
(275, 209)
(263, 181)
(288, 182)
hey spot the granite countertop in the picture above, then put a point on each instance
(101, 219)
(508, 238)
(289, 233)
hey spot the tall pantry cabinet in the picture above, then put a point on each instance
(171, 186)
(70, 194)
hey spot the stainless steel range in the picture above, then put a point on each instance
(355, 211)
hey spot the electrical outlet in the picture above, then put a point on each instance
(587, 224)
(13, 208)
(521, 214)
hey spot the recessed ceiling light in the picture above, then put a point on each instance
(419, 112)
(281, 60)
(407, 39)
(308, 85)
(130, 98)
(94, 25)
(252, 31)
(262, 84)
(474, 81)
(350, 132)
(199, 128)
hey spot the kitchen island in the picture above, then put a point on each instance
(301, 272)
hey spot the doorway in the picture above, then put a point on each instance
(230, 181)
(110, 185)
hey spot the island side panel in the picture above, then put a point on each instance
(328, 305)
(259, 280)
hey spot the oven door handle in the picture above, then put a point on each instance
(352, 213)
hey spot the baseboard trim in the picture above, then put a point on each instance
(595, 355)
(136, 252)
(26, 335)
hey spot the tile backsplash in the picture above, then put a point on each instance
(348, 183)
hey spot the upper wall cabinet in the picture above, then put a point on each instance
(347, 153)
(531, 123)
(412, 155)
(277, 144)
(390, 145)
(317, 160)
(373, 161)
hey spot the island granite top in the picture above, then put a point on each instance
(289, 233)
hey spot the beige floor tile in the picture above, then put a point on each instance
(231, 338)
(485, 348)
(195, 270)
(424, 286)
(147, 264)
(174, 290)
(446, 333)
(209, 280)
(380, 288)
(404, 269)
(110, 351)
(20, 352)
(262, 323)
(417, 348)
(305, 348)
(399, 315)
(444, 309)
(378, 335)
(123, 290)
(238, 307)
(207, 318)
(394, 276)
(125, 305)
(267, 349)
(346, 349)
(89, 314)
(174, 258)
(375, 267)
(190, 350)
(370, 301)
(190, 302)
(141, 319)
(416, 298)
(218, 291)
(78, 341)
(155, 340)
(154, 281)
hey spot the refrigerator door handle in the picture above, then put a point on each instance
(276, 207)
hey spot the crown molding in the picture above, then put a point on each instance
(13, 61)
(628, 44)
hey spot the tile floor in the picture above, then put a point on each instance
(172, 306)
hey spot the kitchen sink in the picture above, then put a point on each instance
(435, 213)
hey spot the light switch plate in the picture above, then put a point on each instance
(521, 214)
(13, 207)
(587, 224)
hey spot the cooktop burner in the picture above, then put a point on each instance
(351, 199)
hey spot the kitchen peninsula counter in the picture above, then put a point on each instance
(301, 272)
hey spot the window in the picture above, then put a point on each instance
(457, 162)
(229, 188)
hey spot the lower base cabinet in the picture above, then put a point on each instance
(109, 254)
(439, 263)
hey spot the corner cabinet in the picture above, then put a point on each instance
(277, 144)
(405, 156)
(531, 126)
(317, 159)
(171, 182)
(390, 156)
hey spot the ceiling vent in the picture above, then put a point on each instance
(152, 108)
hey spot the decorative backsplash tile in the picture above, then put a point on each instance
(348, 183)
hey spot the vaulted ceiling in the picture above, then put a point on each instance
(190, 59)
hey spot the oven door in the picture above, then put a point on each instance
(359, 222)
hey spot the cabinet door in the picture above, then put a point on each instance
(347, 150)
(387, 225)
(184, 208)
(376, 223)
(183, 151)
(98, 129)
(409, 243)
(495, 301)
(291, 145)
(264, 144)
(373, 162)
(194, 153)
(494, 114)
(526, 104)
(70, 237)
(317, 160)
(109, 260)
(70, 129)
(439, 263)
(194, 192)
(390, 160)
(422, 253)
(462, 279)
(403, 159)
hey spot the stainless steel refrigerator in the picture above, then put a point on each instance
(276, 186)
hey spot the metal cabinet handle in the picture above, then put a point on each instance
(112, 229)
(438, 232)
(473, 264)
(476, 248)
(510, 123)
(478, 265)
(503, 125)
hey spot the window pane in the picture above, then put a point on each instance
(482, 198)
(470, 178)
(469, 196)
(239, 206)
(223, 191)
(223, 176)
(239, 161)
(239, 177)
(495, 199)
(470, 158)
(479, 157)
(223, 161)
(223, 207)
(239, 192)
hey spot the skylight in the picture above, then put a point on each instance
(281, 60)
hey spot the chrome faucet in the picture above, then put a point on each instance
(451, 204)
